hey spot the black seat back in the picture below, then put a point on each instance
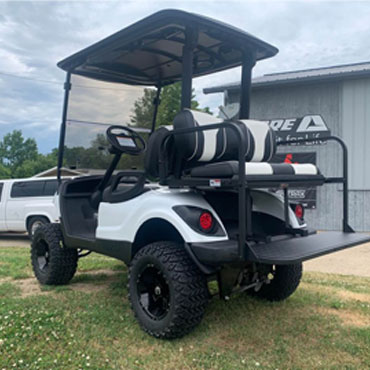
(199, 148)
(151, 160)
(222, 144)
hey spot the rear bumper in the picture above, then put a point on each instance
(283, 250)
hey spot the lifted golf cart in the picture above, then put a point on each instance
(209, 214)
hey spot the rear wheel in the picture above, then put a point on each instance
(34, 223)
(284, 282)
(52, 262)
(168, 293)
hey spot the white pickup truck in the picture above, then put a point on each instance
(25, 204)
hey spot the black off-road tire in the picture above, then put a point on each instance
(34, 221)
(186, 290)
(52, 262)
(284, 284)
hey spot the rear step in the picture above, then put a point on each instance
(298, 249)
(279, 252)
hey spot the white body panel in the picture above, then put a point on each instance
(121, 221)
(14, 212)
(273, 204)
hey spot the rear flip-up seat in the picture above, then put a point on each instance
(214, 153)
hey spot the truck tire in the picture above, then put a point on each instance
(167, 292)
(34, 223)
(284, 284)
(52, 262)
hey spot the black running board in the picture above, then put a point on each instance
(283, 250)
(298, 249)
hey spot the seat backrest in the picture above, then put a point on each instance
(198, 148)
(151, 160)
(264, 144)
(222, 144)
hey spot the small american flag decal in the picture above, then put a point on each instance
(215, 182)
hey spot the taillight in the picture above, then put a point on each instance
(206, 221)
(299, 211)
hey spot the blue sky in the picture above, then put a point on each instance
(34, 36)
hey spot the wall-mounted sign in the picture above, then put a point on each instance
(305, 196)
(311, 126)
(307, 127)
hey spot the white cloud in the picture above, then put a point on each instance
(12, 63)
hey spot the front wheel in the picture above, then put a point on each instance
(284, 282)
(52, 262)
(168, 293)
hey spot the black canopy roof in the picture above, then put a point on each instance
(149, 52)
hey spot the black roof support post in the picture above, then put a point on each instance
(191, 40)
(156, 103)
(62, 135)
(249, 60)
(244, 196)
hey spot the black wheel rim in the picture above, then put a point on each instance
(153, 292)
(43, 255)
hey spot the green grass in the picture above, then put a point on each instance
(89, 325)
(15, 263)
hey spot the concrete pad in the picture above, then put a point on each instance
(351, 261)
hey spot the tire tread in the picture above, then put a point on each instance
(191, 292)
(63, 261)
(284, 284)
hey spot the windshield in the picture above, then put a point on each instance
(93, 107)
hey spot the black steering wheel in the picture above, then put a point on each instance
(125, 140)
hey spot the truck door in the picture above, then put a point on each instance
(23, 194)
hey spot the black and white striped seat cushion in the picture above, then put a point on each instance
(264, 168)
(214, 153)
(221, 144)
(230, 168)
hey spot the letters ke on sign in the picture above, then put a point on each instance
(310, 126)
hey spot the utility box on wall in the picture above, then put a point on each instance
(333, 100)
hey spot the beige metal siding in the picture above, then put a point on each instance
(356, 131)
(297, 101)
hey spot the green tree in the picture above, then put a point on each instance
(144, 109)
(170, 105)
(5, 172)
(32, 167)
(14, 150)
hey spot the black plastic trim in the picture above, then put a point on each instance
(119, 249)
(216, 253)
(208, 270)
(191, 214)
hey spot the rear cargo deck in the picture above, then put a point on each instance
(280, 251)
(299, 249)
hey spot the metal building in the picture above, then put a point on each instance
(335, 99)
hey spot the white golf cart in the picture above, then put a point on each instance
(200, 210)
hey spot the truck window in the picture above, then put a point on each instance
(1, 189)
(27, 189)
(50, 188)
